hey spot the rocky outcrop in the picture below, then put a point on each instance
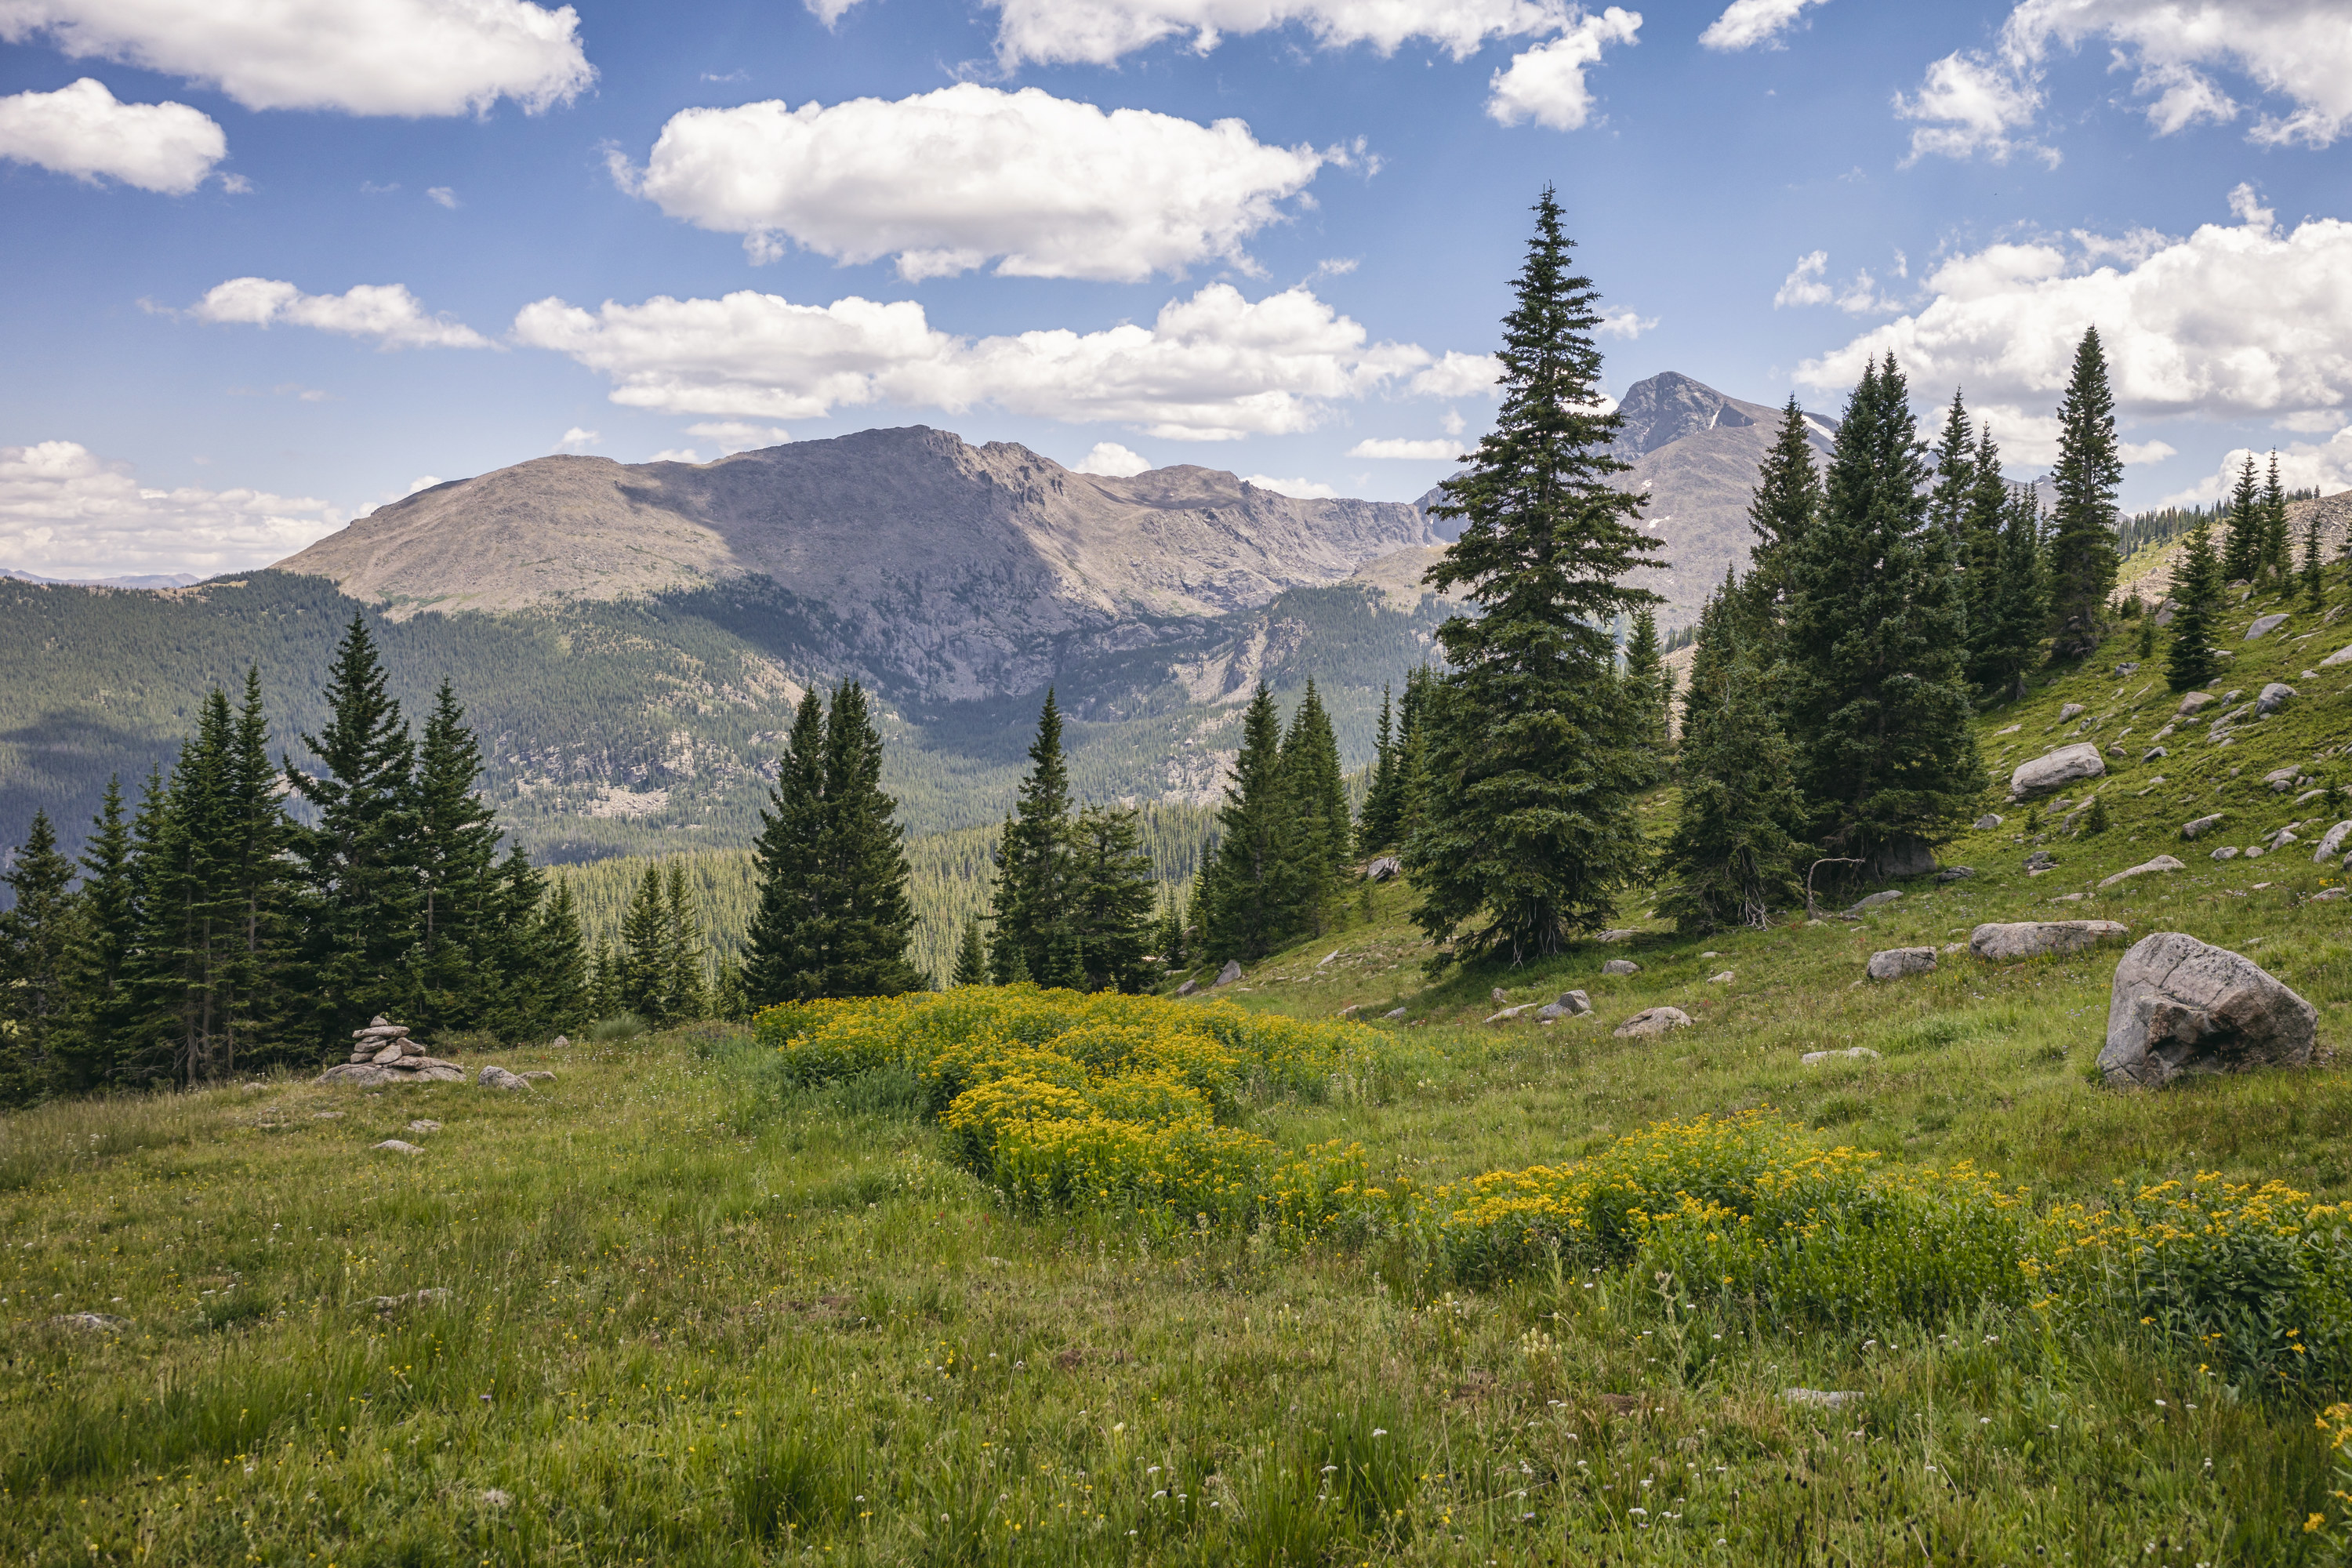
(1651, 1021)
(2006, 943)
(2056, 770)
(2181, 1006)
(1899, 962)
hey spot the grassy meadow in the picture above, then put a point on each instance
(699, 1311)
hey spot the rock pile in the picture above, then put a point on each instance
(383, 1053)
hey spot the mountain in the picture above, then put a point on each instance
(168, 579)
(1694, 452)
(944, 571)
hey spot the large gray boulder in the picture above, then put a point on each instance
(1652, 1021)
(2181, 1006)
(1571, 1004)
(2161, 863)
(2195, 701)
(2203, 825)
(1621, 966)
(2341, 656)
(2273, 696)
(1384, 868)
(2264, 624)
(2056, 770)
(2331, 842)
(2003, 943)
(1228, 974)
(1896, 962)
(499, 1078)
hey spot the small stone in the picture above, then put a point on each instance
(390, 1054)
(1852, 1053)
(1896, 962)
(1652, 1021)
(2253, 851)
(1621, 966)
(2154, 753)
(397, 1146)
(1723, 979)
(1828, 1398)
(559, 1042)
(2341, 656)
(2181, 1006)
(2202, 825)
(2012, 730)
(1986, 823)
(1229, 972)
(1622, 935)
(499, 1078)
(91, 1323)
(1509, 1013)
(425, 1126)
(2281, 779)
(1500, 999)
(1956, 873)
(494, 1498)
(1571, 1004)
(2196, 702)
(2161, 863)
(1393, 1014)
(2332, 841)
(2325, 894)
(2263, 625)
(2039, 861)
(540, 1075)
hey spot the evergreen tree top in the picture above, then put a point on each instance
(2089, 466)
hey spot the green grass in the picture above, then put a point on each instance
(697, 1317)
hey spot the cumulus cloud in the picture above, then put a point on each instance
(2326, 466)
(1806, 283)
(1459, 376)
(1113, 461)
(1547, 83)
(1297, 490)
(740, 436)
(1215, 366)
(577, 440)
(948, 181)
(2298, 50)
(2232, 322)
(387, 312)
(1438, 451)
(1623, 323)
(66, 512)
(1748, 23)
(441, 195)
(1097, 32)
(85, 131)
(1969, 103)
(364, 57)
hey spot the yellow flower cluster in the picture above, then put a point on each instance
(1068, 1101)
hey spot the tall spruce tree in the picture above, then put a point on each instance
(1955, 467)
(1983, 530)
(457, 976)
(190, 951)
(2083, 518)
(1733, 854)
(1310, 756)
(1112, 900)
(784, 948)
(2010, 640)
(356, 876)
(1534, 753)
(2314, 570)
(971, 955)
(2248, 539)
(1648, 682)
(1878, 690)
(1256, 883)
(1786, 498)
(870, 918)
(563, 963)
(40, 935)
(107, 1012)
(643, 963)
(256, 858)
(2191, 661)
(1376, 827)
(2278, 547)
(689, 996)
(1032, 896)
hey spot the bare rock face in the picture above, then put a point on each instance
(2161, 863)
(2181, 1006)
(1897, 963)
(2005, 943)
(1652, 1021)
(2056, 770)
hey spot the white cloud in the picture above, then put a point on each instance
(576, 440)
(1113, 460)
(738, 436)
(422, 482)
(1097, 32)
(364, 57)
(84, 130)
(1968, 103)
(2134, 453)
(441, 195)
(1748, 23)
(1547, 83)
(2300, 50)
(2232, 322)
(1439, 451)
(2326, 466)
(1297, 490)
(1459, 376)
(1215, 366)
(1805, 283)
(2246, 206)
(829, 11)
(66, 512)
(948, 181)
(1622, 322)
(387, 312)
(675, 455)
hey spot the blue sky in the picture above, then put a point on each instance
(1036, 221)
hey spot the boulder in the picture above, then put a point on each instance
(2341, 656)
(499, 1078)
(2326, 895)
(397, 1146)
(1498, 996)
(2281, 780)
(559, 1042)
(1726, 978)
(1895, 962)
(1229, 972)
(1509, 1013)
(1188, 988)
(2069, 712)
(2332, 841)
(2039, 861)
(1621, 966)
(1875, 900)
(1383, 869)
(1956, 874)
(1651, 1021)
(2161, 863)
(2196, 701)
(2227, 852)
(2056, 770)
(424, 1127)
(2181, 1006)
(1986, 823)
(2266, 624)
(1393, 1014)
(1571, 1004)
(1901, 856)
(2003, 943)
(2201, 827)
(1851, 1054)
(2126, 669)
(367, 1075)
(2273, 697)
(1626, 934)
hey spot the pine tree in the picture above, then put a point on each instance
(689, 997)
(2248, 539)
(2082, 533)
(564, 979)
(1255, 884)
(729, 1000)
(259, 835)
(456, 847)
(1033, 861)
(783, 950)
(2278, 546)
(2013, 626)
(644, 961)
(971, 955)
(1952, 498)
(1788, 498)
(1648, 684)
(2314, 573)
(1411, 754)
(107, 1014)
(190, 950)
(358, 900)
(1310, 762)
(870, 918)
(604, 983)
(1534, 752)
(1732, 856)
(1376, 827)
(1984, 588)
(1878, 695)
(1112, 901)
(2196, 604)
(39, 936)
